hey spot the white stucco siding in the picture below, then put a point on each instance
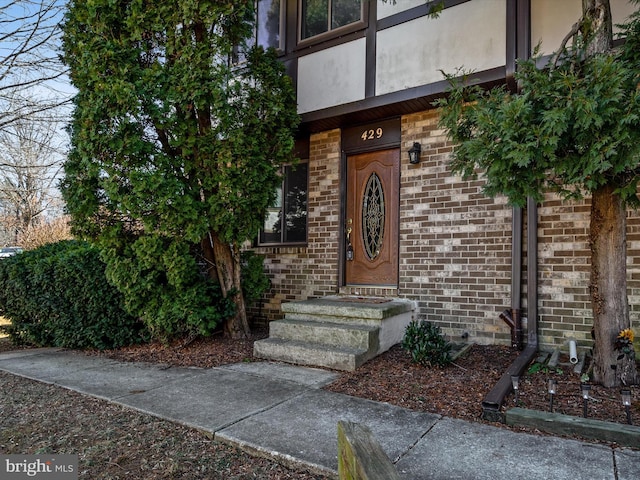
(470, 36)
(331, 77)
(388, 8)
(551, 20)
(620, 11)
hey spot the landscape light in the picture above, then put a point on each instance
(515, 379)
(585, 388)
(553, 385)
(626, 401)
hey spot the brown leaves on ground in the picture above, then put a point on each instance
(115, 441)
(458, 390)
(455, 391)
(200, 352)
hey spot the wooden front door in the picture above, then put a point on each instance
(371, 223)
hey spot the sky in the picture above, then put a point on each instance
(27, 55)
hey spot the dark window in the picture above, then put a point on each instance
(321, 16)
(268, 24)
(266, 31)
(286, 220)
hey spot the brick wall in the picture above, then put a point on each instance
(455, 243)
(564, 264)
(563, 272)
(455, 248)
(312, 271)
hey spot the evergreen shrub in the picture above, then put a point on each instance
(254, 279)
(58, 295)
(426, 344)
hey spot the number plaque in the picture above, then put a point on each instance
(385, 133)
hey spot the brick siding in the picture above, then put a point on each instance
(455, 248)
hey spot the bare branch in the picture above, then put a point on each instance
(575, 29)
(31, 154)
(31, 71)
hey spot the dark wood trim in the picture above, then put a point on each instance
(370, 60)
(291, 67)
(389, 105)
(518, 37)
(389, 136)
(301, 148)
(301, 50)
(291, 25)
(512, 43)
(343, 215)
(524, 29)
(415, 12)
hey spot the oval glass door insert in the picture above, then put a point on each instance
(373, 216)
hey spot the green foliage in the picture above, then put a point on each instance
(254, 279)
(58, 295)
(162, 284)
(426, 345)
(171, 144)
(573, 128)
(541, 367)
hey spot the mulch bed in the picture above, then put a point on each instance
(454, 391)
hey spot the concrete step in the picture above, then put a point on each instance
(362, 337)
(301, 353)
(338, 309)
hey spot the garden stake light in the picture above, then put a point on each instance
(584, 388)
(514, 383)
(626, 401)
(553, 384)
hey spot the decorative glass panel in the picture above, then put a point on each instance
(373, 216)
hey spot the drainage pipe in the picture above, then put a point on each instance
(495, 398)
(573, 352)
(512, 317)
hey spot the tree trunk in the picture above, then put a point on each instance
(597, 26)
(608, 288)
(227, 268)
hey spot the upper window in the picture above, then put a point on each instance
(267, 29)
(286, 220)
(269, 19)
(322, 16)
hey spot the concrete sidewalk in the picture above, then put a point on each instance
(282, 411)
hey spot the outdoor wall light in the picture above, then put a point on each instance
(515, 380)
(414, 153)
(584, 388)
(553, 385)
(626, 401)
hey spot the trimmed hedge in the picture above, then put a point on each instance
(58, 295)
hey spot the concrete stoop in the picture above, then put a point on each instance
(338, 332)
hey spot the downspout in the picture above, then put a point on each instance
(493, 401)
(518, 46)
(512, 317)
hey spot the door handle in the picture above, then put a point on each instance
(349, 249)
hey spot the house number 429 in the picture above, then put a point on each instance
(372, 134)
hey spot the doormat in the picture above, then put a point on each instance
(363, 300)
